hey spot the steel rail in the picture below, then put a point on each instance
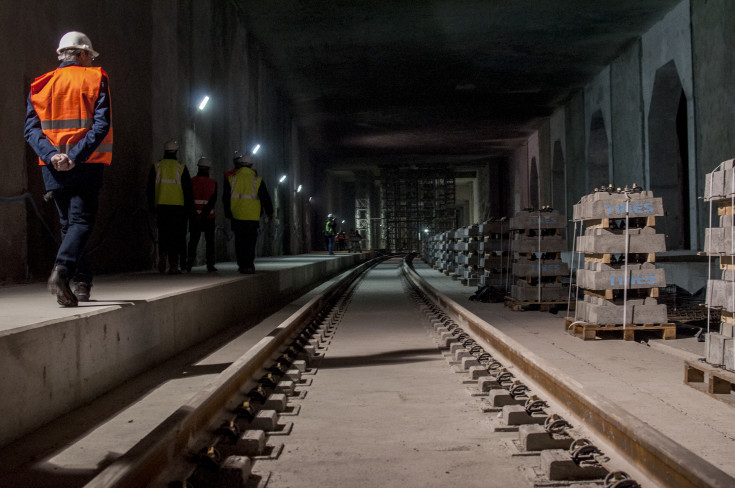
(654, 453)
(192, 423)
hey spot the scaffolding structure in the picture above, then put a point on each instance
(414, 200)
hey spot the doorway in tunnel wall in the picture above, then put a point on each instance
(668, 154)
(533, 185)
(558, 183)
(598, 160)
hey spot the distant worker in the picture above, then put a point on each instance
(341, 240)
(68, 125)
(330, 230)
(245, 196)
(202, 220)
(355, 240)
(170, 195)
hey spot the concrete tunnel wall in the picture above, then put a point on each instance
(162, 58)
(694, 37)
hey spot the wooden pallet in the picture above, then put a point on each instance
(608, 293)
(522, 306)
(605, 258)
(589, 332)
(717, 383)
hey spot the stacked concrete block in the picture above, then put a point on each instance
(538, 268)
(605, 271)
(449, 264)
(467, 255)
(720, 242)
(493, 250)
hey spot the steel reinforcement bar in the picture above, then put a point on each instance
(662, 458)
(153, 455)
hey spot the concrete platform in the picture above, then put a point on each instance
(55, 359)
(646, 380)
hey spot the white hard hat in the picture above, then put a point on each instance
(241, 158)
(330, 216)
(204, 162)
(76, 40)
(171, 145)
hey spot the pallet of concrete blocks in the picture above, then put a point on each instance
(467, 256)
(494, 252)
(433, 257)
(719, 242)
(447, 263)
(538, 268)
(614, 285)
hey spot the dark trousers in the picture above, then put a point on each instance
(171, 221)
(77, 206)
(246, 235)
(196, 227)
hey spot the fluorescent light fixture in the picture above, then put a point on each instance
(426, 231)
(343, 221)
(283, 178)
(256, 148)
(298, 189)
(204, 103)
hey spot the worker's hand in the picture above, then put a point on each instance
(61, 162)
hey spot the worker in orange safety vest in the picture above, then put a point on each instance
(69, 126)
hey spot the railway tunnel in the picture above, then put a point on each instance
(429, 127)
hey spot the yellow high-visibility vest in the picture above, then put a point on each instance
(168, 182)
(244, 201)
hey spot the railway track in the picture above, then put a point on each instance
(560, 436)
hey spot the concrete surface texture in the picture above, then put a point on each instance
(69, 451)
(385, 409)
(56, 359)
(646, 380)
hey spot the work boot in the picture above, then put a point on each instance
(58, 284)
(81, 290)
(174, 270)
(211, 269)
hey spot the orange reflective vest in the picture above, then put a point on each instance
(64, 100)
(203, 190)
(244, 201)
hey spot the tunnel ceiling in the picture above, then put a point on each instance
(436, 81)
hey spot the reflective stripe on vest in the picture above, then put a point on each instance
(64, 101)
(203, 188)
(244, 201)
(168, 182)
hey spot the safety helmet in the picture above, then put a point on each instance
(204, 162)
(241, 159)
(330, 216)
(171, 145)
(76, 40)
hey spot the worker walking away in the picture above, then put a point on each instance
(205, 199)
(330, 230)
(245, 196)
(355, 240)
(170, 195)
(68, 125)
